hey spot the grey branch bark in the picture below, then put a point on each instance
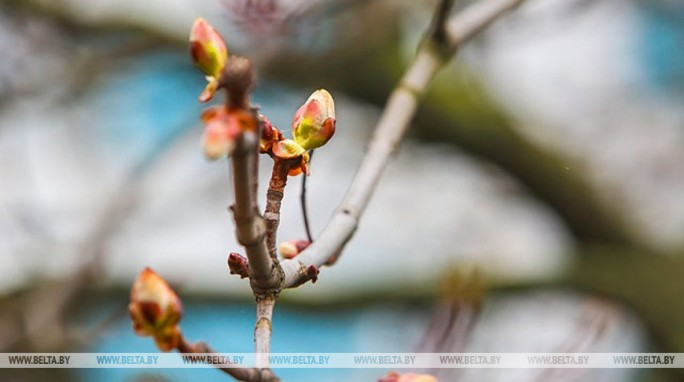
(475, 19)
(390, 129)
(250, 226)
(238, 79)
(262, 331)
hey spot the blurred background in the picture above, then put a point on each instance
(536, 206)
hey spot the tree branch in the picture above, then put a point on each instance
(437, 31)
(274, 199)
(474, 124)
(265, 274)
(262, 331)
(390, 129)
(246, 374)
(250, 226)
(475, 19)
(256, 233)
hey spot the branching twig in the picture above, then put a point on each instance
(390, 129)
(258, 234)
(302, 199)
(475, 19)
(437, 32)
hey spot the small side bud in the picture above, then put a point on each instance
(291, 248)
(314, 122)
(238, 265)
(270, 135)
(155, 310)
(312, 273)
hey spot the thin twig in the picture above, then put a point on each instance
(262, 331)
(390, 129)
(475, 19)
(437, 31)
(274, 199)
(302, 199)
(246, 374)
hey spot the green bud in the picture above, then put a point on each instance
(314, 122)
(207, 48)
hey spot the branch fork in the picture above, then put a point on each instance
(238, 130)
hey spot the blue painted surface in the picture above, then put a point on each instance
(229, 328)
(662, 46)
(147, 102)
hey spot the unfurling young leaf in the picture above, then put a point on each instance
(209, 90)
(289, 149)
(222, 128)
(220, 133)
